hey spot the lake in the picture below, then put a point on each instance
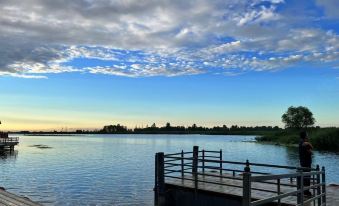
(119, 169)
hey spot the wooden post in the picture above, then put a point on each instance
(318, 188)
(195, 166)
(314, 189)
(203, 161)
(278, 191)
(156, 180)
(298, 188)
(220, 165)
(246, 185)
(160, 179)
(302, 189)
(323, 178)
(182, 164)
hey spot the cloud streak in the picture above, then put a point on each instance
(160, 38)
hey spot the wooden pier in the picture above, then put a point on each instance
(8, 143)
(204, 178)
(9, 199)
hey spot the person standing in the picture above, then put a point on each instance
(305, 157)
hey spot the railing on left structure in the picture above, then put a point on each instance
(196, 165)
(9, 140)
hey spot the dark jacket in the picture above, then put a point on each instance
(305, 155)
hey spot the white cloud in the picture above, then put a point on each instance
(257, 16)
(143, 71)
(158, 37)
(25, 76)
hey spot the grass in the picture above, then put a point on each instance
(321, 138)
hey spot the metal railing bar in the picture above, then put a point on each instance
(210, 151)
(178, 164)
(223, 184)
(313, 198)
(179, 153)
(283, 176)
(274, 183)
(220, 176)
(313, 186)
(271, 199)
(279, 166)
(180, 158)
(230, 170)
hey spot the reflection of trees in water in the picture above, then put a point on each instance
(8, 154)
(292, 156)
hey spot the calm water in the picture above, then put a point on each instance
(118, 169)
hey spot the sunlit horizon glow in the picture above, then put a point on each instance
(85, 64)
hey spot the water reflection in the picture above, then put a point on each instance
(119, 169)
(8, 154)
(292, 156)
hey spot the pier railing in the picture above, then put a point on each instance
(9, 140)
(208, 167)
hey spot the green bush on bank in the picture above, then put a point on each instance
(321, 138)
(325, 139)
(283, 137)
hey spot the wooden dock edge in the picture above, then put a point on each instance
(10, 199)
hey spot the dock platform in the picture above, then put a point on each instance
(9, 199)
(204, 178)
(8, 142)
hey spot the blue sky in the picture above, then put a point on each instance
(86, 64)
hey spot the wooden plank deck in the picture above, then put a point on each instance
(9, 199)
(332, 195)
(332, 192)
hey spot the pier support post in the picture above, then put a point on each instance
(220, 165)
(182, 164)
(319, 187)
(302, 188)
(156, 180)
(246, 185)
(323, 181)
(195, 165)
(299, 183)
(159, 190)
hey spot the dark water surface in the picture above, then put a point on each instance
(118, 169)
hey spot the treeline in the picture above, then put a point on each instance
(321, 138)
(194, 129)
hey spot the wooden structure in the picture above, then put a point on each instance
(202, 177)
(9, 199)
(8, 142)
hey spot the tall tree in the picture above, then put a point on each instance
(298, 117)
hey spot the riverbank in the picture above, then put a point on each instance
(326, 139)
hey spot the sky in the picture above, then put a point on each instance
(84, 64)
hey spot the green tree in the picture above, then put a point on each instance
(298, 117)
